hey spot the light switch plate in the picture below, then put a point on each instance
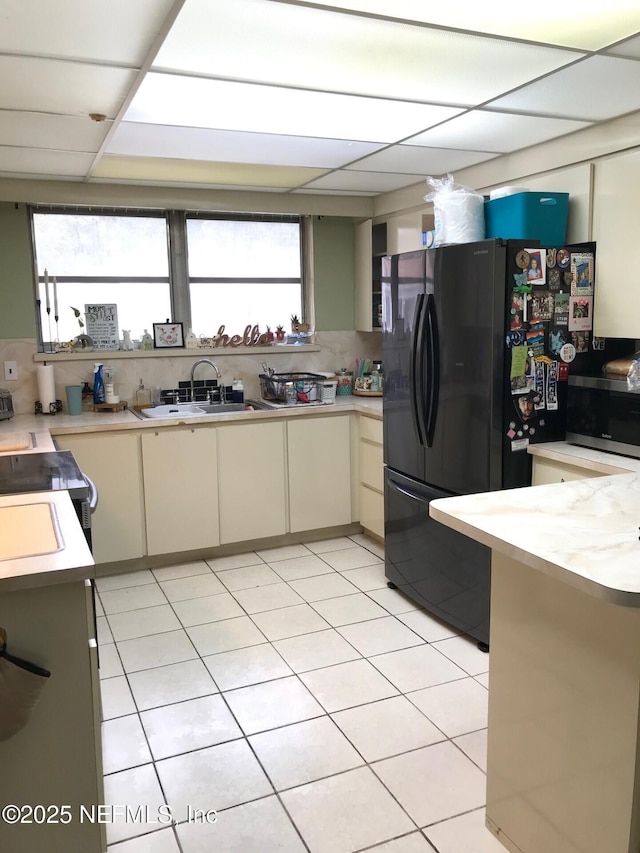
(10, 370)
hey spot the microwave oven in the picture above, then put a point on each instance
(604, 414)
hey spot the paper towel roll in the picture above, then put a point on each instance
(46, 385)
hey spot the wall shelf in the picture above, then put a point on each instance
(200, 352)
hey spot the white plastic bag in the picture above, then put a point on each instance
(633, 375)
(458, 211)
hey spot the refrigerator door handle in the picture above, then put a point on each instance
(416, 366)
(398, 488)
(433, 349)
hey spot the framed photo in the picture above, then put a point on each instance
(168, 336)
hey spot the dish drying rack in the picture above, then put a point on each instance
(309, 387)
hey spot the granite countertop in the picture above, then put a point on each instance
(584, 532)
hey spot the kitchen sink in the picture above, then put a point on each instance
(191, 410)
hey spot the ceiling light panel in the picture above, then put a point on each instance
(195, 143)
(38, 162)
(497, 132)
(70, 133)
(376, 181)
(589, 25)
(597, 89)
(276, 42)
(197, 102)
(629, 48)
(418, 159)
(69, 88)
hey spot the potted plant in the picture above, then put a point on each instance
(270, 335)
(280, 333)
(297, 326)
(82, 341)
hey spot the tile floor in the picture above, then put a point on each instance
(292, 692)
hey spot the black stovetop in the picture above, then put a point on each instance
(42, 472)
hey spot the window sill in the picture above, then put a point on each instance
(169, 352)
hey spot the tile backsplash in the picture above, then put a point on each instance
(337, 349)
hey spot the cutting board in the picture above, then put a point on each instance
(27, 530)
(15, 441)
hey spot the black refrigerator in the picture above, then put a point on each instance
(464, 396)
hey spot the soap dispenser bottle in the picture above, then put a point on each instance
(143, 397)
(98, 383)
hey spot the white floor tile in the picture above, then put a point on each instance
(345, 812)
(143, 622)
(209, 608)
(377, 636)
(312, 651)
(197, 723)
(213, 778)
(369, 543)
(433, 783)
(116, 698)
(323, 586)
(466, 832)
(216, 637)
(139, 789)
(415, 668)
(104, 632)
(483, 679)
(323, 546)
(98, 606)
(165, 685)
(303, 752)
(352, 558)
(347, 685)
(242, 667)
(125, 580)
(301, 567)
(348, 609)
(184, 570)
(234, 561)
(289, 622)
(123, 744)
(457, 707)
(156, 650)
(413, 843)
(465, 652)
(132, 598)
(192, 587)
(274, 703)
(429, 627)
(247, 577)
(475, 746)
(392, 600)
(286, 552)
(389, 727)
(257, 827)
(367, 577)
(163, 841)
(110, 664)
(267, 598)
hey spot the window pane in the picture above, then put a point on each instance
(220, 248)
(237, 305)
(86, 245)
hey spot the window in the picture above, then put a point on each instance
(237, 270)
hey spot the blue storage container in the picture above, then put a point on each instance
(528, 216)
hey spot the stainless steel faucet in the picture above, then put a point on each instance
(218, 377)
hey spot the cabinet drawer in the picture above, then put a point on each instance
(547, 471)
(371, 465)
(371, 429)
(372, 511)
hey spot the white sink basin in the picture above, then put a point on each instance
(181, 410)
(173, 410)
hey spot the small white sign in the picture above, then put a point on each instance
(102, 326)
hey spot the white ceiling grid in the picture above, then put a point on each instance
(338, 98)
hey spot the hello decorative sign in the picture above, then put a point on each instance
(252, 337)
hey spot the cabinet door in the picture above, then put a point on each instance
(364, 276)
(319, 462)
(371, 468)
(181, 489)
(251, 481)
(547, 471)
(113, 463)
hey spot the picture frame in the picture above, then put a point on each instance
(168, 336)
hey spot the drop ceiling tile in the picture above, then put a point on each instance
(482, 130)
(116, 31)
(69, 88)
(196, 102)
(414, 159)
(595, 25)
(597, 89)
(371, 181)
(37, 162)
(629, 48)
(69, 133)
(273, 42)
(196, 143)
(198, 171)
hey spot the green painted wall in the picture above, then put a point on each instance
(334, 273)
(17, 314)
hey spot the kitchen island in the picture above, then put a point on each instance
(564, 693)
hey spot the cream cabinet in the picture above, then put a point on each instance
(181, 489)
(371, 475)
(546, 471)
(319, 472)
(113, 462)
(371, 246)
(251, 481)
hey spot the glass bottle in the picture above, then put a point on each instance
(143, 397)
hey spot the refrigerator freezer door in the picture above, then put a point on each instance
(464, 455)
(445, 572)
